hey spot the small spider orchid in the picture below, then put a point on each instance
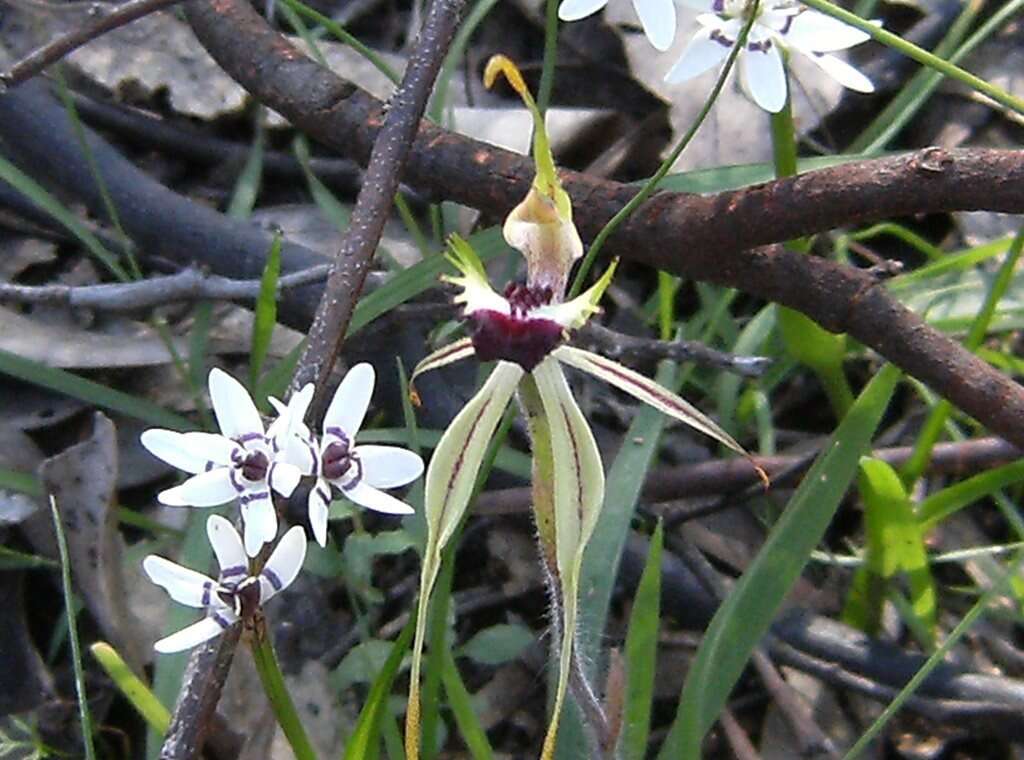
(780, 27)
(359, 472)
(244, 462)
(235, 595)
(526, 330)
(657, 17)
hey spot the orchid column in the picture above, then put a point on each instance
(526, 330)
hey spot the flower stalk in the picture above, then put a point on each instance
(274, 687)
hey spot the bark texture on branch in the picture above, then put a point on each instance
(701, 237)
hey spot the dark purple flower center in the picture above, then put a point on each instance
(516, 337)
(254, 466)
(243, 599)
(336, 460)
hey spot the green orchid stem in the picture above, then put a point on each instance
(805, 340)
(936, 422)
(652, 184)
(276, 691)
(920, 55)
(547, 72)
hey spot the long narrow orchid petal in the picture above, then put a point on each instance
(658, 18)
(351, 400)
(191, 452)
(449, 486)
(236, 413)
(367, 496)
(578, 497)
(183, 585)
(453, 352)
(459, 453)
(578, 474)
(842, 72)
(645, 390)
(260, 520)
(284, 563)
(227, 545)
(574, 10)
(197, 633)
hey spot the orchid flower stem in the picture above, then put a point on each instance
(936, 422)
(805, 340)
(652, 184)
(920, 55)
(276, 691)
(547, 72)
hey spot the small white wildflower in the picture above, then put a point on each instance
(657, 17)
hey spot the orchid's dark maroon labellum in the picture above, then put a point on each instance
(516, 337)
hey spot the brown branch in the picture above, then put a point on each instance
(203, 680)
(190, 284)
(373, 204)
(700, 237)
(103, 18)
(723, 476)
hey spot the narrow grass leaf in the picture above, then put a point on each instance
(724, 178)
(461, 703)
(36, 193)
(131, 687)
(12, 559)
(247, 186)
(265, 317)
(84, 716)
(745, 615)
(642, 654)
(364, 743)
(949, 500)
(60, 381)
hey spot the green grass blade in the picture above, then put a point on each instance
(85, 718)
(723, 178)
(60, 381)
(12, 559)
(247, 186)
(641, 654)
(265, 317)
(944, 503)
(461, 703)
(364, 743)
(745, 615)
(131, 687)
(36, 193)
(280, 700)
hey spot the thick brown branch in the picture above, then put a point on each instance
(701, 237)
(103, 18)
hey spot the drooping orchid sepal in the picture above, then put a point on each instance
(541, 226)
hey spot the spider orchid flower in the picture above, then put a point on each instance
(244, 462)
(358, 472)
(780, 27)
(235, 595)
(657, 17)
(526, 330)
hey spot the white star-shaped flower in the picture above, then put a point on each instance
(359, 472)
(235, 595)
(657, 17)
(780, 26)
(244, 462)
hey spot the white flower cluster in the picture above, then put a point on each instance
(780, 27)
(248, 462)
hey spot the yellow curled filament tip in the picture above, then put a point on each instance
(501, 64)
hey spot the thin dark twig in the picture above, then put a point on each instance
(190, 284)
(390, 151)
(103, 18)
(633, 349)
(203, 681)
